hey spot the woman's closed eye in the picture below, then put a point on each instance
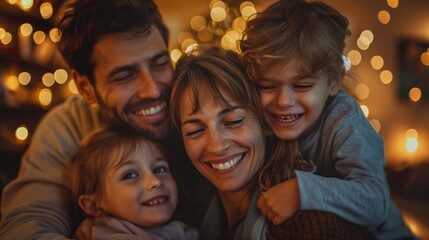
(235, 123)
(193, 133)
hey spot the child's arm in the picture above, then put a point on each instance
(280, 202)
(350, 180)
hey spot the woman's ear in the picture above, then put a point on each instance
(86, 89)
(87, 204)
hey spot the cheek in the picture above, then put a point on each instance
(264, 99)
(193, 149)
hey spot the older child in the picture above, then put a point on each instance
(122, 182)
(298, 71)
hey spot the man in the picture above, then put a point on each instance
(118, 52)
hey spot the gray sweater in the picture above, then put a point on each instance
(350, 179)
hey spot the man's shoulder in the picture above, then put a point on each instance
(74, 107)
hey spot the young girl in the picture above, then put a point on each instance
(122, 183)
(298, 71)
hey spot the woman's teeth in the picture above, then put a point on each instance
(227, 165)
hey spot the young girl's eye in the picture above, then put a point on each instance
(160, 170)
(130, 175)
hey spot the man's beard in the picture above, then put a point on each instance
(112, 117)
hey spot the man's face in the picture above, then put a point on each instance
(133, 78)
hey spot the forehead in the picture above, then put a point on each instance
(280, 69)
(207, 97)
(141, 151)
(118, 49)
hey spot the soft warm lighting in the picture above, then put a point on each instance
(183, 36)
(415, 94)
(362, 91)
(368, 35)
(386, 76)
(175, 54)
(229, 40)
(46, 10)
(377, 62)
(26, 4)
(411, 145)
(247, 11)
(355, 57)
(39, 37)
(198, 23)
(393, 3)
(54, 35)
(205, 35)
(24, 78)
(375, 124)
(365, 110)
(12, 82)
(60, 76)
(26, 29)
(72, 87)
(21, 133)
(2, 32)
(239, 24)
(363, 43)
(425, 58)
(186, 43)
(7, 38)
(192, 47)
(411, 133)
(48, 79)
(45, 97)
(218, 14)
(384, 17)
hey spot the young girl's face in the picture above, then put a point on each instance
(226, 145)
(140, 189)
(292, 103)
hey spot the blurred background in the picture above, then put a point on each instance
(388, 52)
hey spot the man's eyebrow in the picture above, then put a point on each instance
(133, 66)
(159, 55)
(124, 68)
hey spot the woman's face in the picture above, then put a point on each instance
(225, 145)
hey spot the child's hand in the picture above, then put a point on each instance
(280, 202)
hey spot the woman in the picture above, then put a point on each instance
(216, 109)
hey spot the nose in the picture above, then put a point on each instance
(147, 86)
(286, 97)
(151, 181)
(218, 141)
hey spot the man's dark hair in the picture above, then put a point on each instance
(84, 22)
